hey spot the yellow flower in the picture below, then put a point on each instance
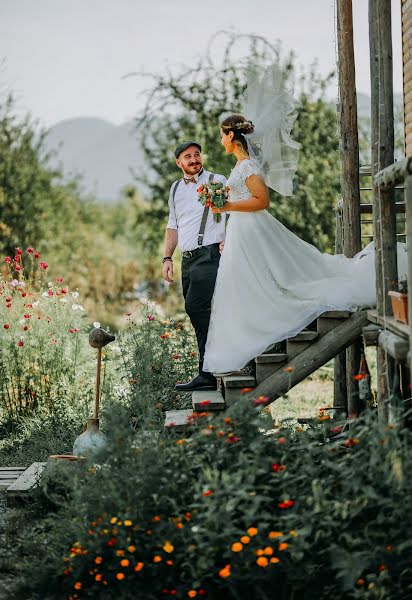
(252, 531)
(294, 533)
(113, 520)
(168, 547)
(128, 523)
(262, 561)
(237, 547)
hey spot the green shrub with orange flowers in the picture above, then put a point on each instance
(232, 510)
(40, 352)
(157, 354)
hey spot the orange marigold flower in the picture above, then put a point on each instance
(169, 563)
(157, 559)
(120, 576)
(156, 518)
(283, 546)
(77, 585)
(98, 560)
(179, 525)
(294, 533)
(237, 547)
(131, 548)
(227, 420)
(360, 582)
(119, 552)
(245, 539)
(168, 547)
(381, 567)
(351, 442)
(207, 493)
(128, 523)
(268, 551)
(274, 534)
(225, 572)
(138, 567)
(113, 520)
(288, 369)
(246, 390)
(389, 548)
(262, 561)
(286, 504)
(192, 593)
(124, 562)
(275, 559)
(98, 577)
(252, 531)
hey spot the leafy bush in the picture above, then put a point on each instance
(157, 354)
(232, 510)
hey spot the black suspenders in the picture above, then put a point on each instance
(205, 211)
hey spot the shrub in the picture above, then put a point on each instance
(232, 510)
(40, 352)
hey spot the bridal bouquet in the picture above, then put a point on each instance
(213, 194)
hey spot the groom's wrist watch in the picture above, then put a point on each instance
(165, 258)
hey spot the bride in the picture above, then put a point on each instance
(270, 283)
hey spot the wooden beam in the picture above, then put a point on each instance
(340, 390)
(393, 175)
(394, 345)
(349, 169)
(382, 145)
(314, 356)
(408, 201)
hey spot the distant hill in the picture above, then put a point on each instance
(104, 153)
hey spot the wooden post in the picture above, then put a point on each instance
(97, 399)
(408, 201)
(382, 142)
(349, 170)
(340, 390)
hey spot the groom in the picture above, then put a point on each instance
(191, 226)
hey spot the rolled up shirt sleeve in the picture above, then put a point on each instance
(172, 222)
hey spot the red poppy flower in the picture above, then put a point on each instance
(37, 255)
(59, 279)
(20, 343)
(25, 327)
(17, 267)
(278, 468)
(6, 326)
(7, 259)
(286, 504)
(27, 316)
(44, 265)
(30, 250)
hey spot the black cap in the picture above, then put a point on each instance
(185, 145)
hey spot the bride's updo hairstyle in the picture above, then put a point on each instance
(240, 127)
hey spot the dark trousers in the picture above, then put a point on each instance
(198, 280)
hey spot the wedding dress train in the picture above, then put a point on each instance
(271, 284)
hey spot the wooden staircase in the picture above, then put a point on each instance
(277, 373)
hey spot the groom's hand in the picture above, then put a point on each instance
(168, 271)
(221, 247)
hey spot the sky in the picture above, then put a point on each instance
(68, 58)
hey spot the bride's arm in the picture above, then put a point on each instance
(259, 198)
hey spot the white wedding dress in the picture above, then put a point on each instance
(271, 284)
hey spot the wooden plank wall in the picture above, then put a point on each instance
(407, 72)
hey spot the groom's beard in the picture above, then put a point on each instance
(193, 168)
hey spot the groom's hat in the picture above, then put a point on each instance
(185, 145)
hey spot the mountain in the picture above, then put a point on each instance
(104, 153)
(101, 152)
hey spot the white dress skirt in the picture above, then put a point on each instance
(271, 284)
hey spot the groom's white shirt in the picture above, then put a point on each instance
(186, 215)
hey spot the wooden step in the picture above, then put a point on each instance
(233, 386)
(319, 352)
(28, 480)
(328, 320)
(300, 342)
(8, 475)
(177, 420)
(266, 364)
(205, 400)
(335, 314)
(304, 336)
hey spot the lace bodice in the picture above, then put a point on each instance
(237, 179)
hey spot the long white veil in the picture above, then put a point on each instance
(269, 105)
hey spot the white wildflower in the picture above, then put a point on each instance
(50, 284)
(45, 294)
(75, 295)
(77, 307)
(96, 324)
(34, 304)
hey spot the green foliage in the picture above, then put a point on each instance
(26, 182)
(157, 354)
(310, 518)
(190, 105)
(40, 353)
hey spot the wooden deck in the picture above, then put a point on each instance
(390, 322)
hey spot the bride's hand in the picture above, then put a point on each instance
(224, 208)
